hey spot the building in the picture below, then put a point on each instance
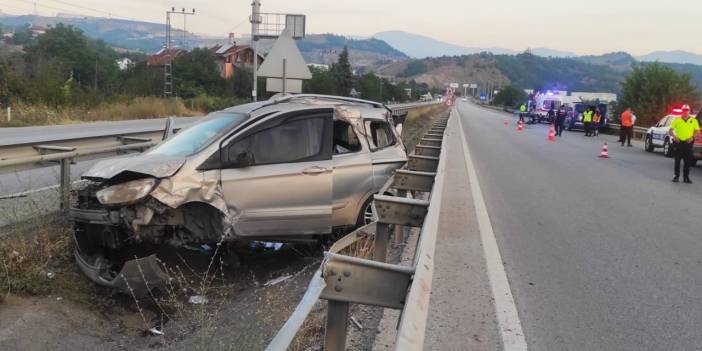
(231, 57)
(163, 57)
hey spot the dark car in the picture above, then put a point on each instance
(574, 115)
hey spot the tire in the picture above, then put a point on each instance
(667, 149)
(648, 144)
(365, 215)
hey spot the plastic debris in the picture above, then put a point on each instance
(277, 280)
(50, 275)
(155, 331)
(59, 298)
(198, 300)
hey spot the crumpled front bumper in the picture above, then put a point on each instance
(136, 277)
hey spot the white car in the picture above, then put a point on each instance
(657, 136)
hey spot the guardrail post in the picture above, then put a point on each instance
(382, 234)
(337, 324)
(400, 230)
(65, 184)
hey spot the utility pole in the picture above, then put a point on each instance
(168, 65)
(255, 21)
(96, 73)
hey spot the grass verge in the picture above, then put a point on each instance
(36, 260)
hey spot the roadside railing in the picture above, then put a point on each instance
(343, 280)
(639, 132)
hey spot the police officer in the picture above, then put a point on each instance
(522, 111)
(683, 130)
(587, 122)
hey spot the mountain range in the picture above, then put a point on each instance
(419, 46)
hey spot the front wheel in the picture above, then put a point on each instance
(648, 144)
(667, 148)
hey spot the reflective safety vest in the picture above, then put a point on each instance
(522, 108)
(587, 116)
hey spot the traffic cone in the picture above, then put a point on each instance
(551, 134)
(605, 152)
(520, 126)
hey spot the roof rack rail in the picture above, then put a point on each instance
(329, 97)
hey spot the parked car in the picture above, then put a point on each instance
(658, 137)
(290, 169)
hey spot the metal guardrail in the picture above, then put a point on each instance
(639, 132)
(343, 280)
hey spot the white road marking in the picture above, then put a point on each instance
(507, 317)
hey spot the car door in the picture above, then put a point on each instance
(277, 175)
(387, 152)
(353, 174)
(659, 132)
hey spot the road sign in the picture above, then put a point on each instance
(483, 97)
(454, 85)
(284, 66)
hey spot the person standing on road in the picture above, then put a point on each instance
(522, 111)
(683, 130)
(627, 127)
(596, 121)
(587, 121)
(560, 120)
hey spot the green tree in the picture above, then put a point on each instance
(509, 96)
(651, 89)
(196, 73)
(341, 71)
(22, 35)
(322, 82)
(414, 68)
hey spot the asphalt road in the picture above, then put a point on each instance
(601, 254)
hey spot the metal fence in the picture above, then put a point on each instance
(344, 280)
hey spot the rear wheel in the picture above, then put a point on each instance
(667, 149)
(648, 144)
(366, 215)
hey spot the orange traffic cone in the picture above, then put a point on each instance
(520, 126)
(551, 134)
(605, 152)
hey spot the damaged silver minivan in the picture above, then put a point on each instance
(290, 169)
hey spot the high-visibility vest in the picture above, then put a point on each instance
(522, 108)
(587, 116)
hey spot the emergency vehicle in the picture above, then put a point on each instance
(658, 137)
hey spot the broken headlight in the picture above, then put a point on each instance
(126, 193)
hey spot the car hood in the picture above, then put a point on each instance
(158, 166)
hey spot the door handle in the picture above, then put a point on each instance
(314, 170)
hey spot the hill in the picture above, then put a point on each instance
(419, 46)
(676, 56)
(149, 37)
(523, 70)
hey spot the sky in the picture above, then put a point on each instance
(584, 27)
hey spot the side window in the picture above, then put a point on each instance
(669, 121)
(296, 140)
(345, 139)
(380, 134)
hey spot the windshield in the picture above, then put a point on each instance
(194, 139)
